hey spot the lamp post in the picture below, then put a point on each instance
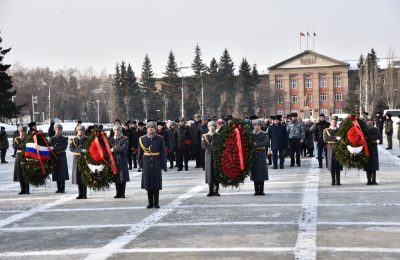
(34, 101)
(202, 94)
(98, 111)
(182, 94)
(45, 84)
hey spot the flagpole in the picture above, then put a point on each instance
(313, 41)
(307, 40)
(300, 42)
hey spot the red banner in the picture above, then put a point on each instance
(113, 165)
(240, 149)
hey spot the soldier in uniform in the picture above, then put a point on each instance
(329, 136)
(19, 144)
(259, 173)
(60, 144)
(373, 137)
(135, 143)
(172, 143)
(183, 142)
(389, 130)
(76, 146)
(119, 145)
(379, 122)
(51, 131)
(141, 131)
(296, 136)
(32, 127)
(161, 130)
(195, 147)
(3, 144)
(132, 140)
(318, 138)
(15, 135)
(208, 143)
(152, 159)
(277, 133)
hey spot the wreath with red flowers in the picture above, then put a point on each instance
(234, 153)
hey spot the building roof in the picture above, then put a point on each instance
(333, 62)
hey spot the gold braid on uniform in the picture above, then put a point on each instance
(206, 138)
(146, 150)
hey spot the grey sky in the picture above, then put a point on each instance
(99, 33)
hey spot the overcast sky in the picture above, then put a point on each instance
(99, 33)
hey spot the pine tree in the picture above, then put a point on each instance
(211, 83)
(255, 78)
(226, 84)
(115, 95)
(245, 88)
(170, 92)
(148, 89)
(8, 109)
(134, 104)
(122, 93)
(197, 82)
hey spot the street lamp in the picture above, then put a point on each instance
(34, 101)
(98, 111)
(202, 94)
(45, 84)
(182, 95)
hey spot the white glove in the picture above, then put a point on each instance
(84, 151)
(338, 138)
(112, 149)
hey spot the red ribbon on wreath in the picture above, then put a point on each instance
(113, 165)
(240, 149)
(356, 136)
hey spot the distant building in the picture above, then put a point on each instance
(309, 84)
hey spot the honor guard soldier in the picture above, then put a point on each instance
(152, 159)
(60, 144)
(208, 143)
(259, 173)
(19, 144)
(76, 146)
(373, 138)
(331, 139)
(119, 146)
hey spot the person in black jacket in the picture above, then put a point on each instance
(195, 147)
(373, 138)
(279, 141)
(318, 138)
(183, 141)
(51, 131)
(141, 131)
(133, 143)
(60, 144)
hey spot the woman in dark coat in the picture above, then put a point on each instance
(259, 172)
(329, 136)
(18, 145)
(76, 147)
(208, 142)
(119, 146)
(373, 138)
(152, 159)
(60, 144)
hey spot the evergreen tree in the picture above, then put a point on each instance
(213, 95)
(197, 82)
(115, 96)
(134, 103)
(255, 78)
(226, 84)
(148, 89)
(8, 109)
(122, 93)
(245, 88)
(170, 91)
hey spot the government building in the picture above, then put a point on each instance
(308, 83)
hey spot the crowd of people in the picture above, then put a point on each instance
(150, 146)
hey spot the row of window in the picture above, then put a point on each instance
(322, 97)
(308, 82)
(321, 111)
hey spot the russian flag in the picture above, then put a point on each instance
(31, 152)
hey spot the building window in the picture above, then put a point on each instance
(279, 83)
(293, 111)
(338, 96)
(338, 111)
(280, 112)
(309, 97)
(322, 81)
(336, 80)
(383, 81)
(324, 111)
(323, 97)
(293, 82)
(307, 81)
(279, 100)
(293, 99)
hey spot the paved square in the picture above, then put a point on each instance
(302, 217)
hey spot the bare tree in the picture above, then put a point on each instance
(390, 87)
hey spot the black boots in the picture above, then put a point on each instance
(153, 198)
(320, 164)
(210, 190)
(259, 188)
(333, 176)
(82, 189)
(216, 193)
(369, 178)
(120, 190)
(123, 186)
(374, 178)
(24, 188)
(60, 187)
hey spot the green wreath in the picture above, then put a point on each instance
(226, 157)
(341, 151)
(31, 167)
(97, 179)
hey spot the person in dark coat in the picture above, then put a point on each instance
(309, 140)
(389, 131)
(51, 131)
(4, 145)
(19, 144)
(296, 134)
(195, 146)
(141, 131)
(277, 133)
(152, 158)
(318, 138)
(203, 130)
(76, 146)
(15, 135)
(60, 144)
(183, 142)
(132, 141)
(373, 138)
(135, 142)
(162, 130)
(208, 143)
(172, 143)
(331, 139)
(259, 173)
(379, 123)
(119, 145)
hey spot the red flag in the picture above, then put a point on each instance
(302, 34)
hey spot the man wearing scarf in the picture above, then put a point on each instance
(60, 144)
(208, 143)
(259, 172)
(119, 146)
(76, 146)
(152, 159)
